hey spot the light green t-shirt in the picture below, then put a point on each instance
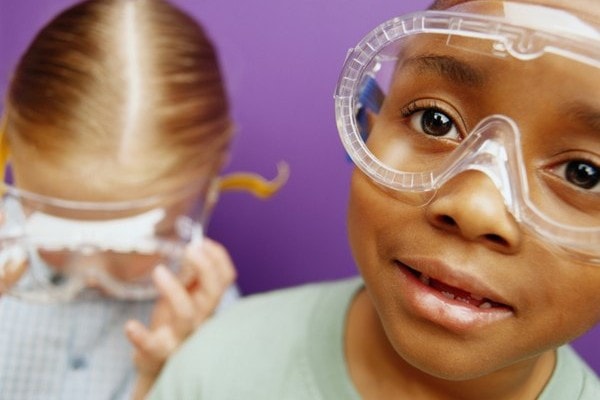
(288, 345)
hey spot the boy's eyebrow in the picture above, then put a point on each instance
(587, 114)
(447, 67)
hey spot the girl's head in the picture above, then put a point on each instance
(117, 100)
(116, 122)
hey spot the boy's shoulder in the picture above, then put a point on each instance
(273, 343)
(280, 309)
(572, 378)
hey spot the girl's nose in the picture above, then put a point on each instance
(470, 205)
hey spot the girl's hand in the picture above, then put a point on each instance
(13, 264)
(181, 308)
(12, 269)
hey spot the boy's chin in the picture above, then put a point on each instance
(450, 362)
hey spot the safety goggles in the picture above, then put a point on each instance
(506, 89)
(55, 250)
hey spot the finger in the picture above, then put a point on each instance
(179, 303)
(153, 345)
(13, 266)
(210, 285)
(215, 272)
(221, 258)
(152, 348)
(205, 289)
(224, 265)
(214, 265)
(138, 335)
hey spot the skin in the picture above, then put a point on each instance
(398, 346)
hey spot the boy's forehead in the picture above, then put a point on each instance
(590, 9)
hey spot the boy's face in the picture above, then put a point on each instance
(461, 288)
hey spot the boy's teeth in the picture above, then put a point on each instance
(426, 280)
(448, 295)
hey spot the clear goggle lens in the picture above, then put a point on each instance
(426, 97)
(53, 250)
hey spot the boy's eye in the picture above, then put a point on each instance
(434, 122)
(581, 173)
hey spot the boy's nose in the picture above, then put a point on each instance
(470, 205)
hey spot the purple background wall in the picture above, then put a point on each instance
(281, 61)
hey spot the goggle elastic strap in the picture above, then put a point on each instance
(254, 183)
(4, 151)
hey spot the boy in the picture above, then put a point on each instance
(473, 218)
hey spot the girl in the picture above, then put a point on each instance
(116, 126)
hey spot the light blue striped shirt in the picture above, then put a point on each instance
(71, 351)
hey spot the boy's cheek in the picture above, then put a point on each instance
(578, 294)
(368, 212)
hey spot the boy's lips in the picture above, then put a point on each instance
(451, 298)
(456, 293)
